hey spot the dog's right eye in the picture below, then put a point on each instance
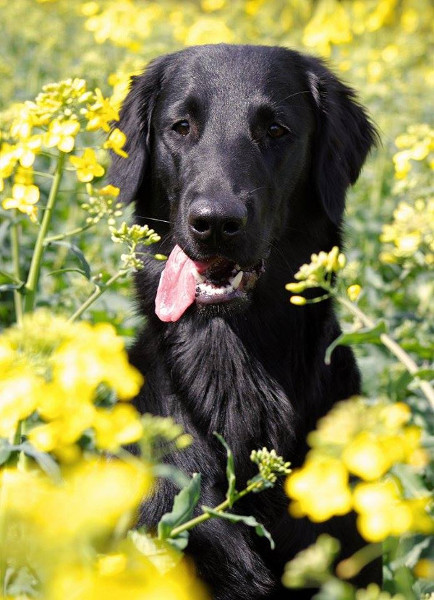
(182, 127)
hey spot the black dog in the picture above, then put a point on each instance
(240, 156)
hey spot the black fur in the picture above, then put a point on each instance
(254, 371)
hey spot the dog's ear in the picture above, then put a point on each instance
(135, 122)
(343, 139)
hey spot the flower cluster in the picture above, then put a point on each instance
(102, 203)
(410, 237)
(270, 464)
(365, 442)
(58, 376)
(53, 121)
(316, 274)
(123, 22)
(74, 530)
(161, 435)
(312, 566)
(416, 144)
(134, 236)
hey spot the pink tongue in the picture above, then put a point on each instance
(177, 287)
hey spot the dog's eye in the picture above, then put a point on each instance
(182, 127)
(276, 131)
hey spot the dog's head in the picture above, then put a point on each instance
(234, 150)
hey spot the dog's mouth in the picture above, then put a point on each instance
(214, 281)
(221, 280)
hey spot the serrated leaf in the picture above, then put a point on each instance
(361, 336)
(247, 520)
(230, 471)
(78, 253)
(183, 506)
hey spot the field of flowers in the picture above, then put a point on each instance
(66, 312)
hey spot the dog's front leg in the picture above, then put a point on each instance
(226, 558)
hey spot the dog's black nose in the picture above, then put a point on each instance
(216, 221)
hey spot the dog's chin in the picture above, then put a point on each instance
(237, 305)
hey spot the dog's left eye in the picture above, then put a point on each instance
(276, 131)
(182, 127)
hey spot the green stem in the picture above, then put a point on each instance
(206, 516)
(35, 266)
(351, 566)
(393, 346)
(62, 236)
(15, 242)
(96, 294)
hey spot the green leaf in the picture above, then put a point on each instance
(412, 482)
(8, 287)
(44, 460)
(230, 471)
(183, 506)
(78, 253)
(20, 581)
(425, 374)
(5, 451)
(247, 520)
(361, 336)
(154, 549)
(335, 590)
(178, 477)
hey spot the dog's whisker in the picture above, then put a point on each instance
(295, 94)
(154, 219)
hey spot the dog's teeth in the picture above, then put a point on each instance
(237, 280)
(199, 278)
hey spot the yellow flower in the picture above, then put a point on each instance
(62, 134)
(95, 496)
(71, 362)
(212, 5)
(330, 24)
(8, 160)
(109, 190)
(396, 415)
(320, 489)
(298, 300)
(383, 511)
(365, 457)
(87, 166)
(67, 428)
(26, 150)
(101, 113)
(354, 292)
(208, 30)
(117, 427)
(424, 568)
(18, 398)
(24, 198)
(127, 574)
(116, 142)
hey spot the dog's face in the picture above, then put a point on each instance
(236, 146)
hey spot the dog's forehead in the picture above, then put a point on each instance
(234, 75)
